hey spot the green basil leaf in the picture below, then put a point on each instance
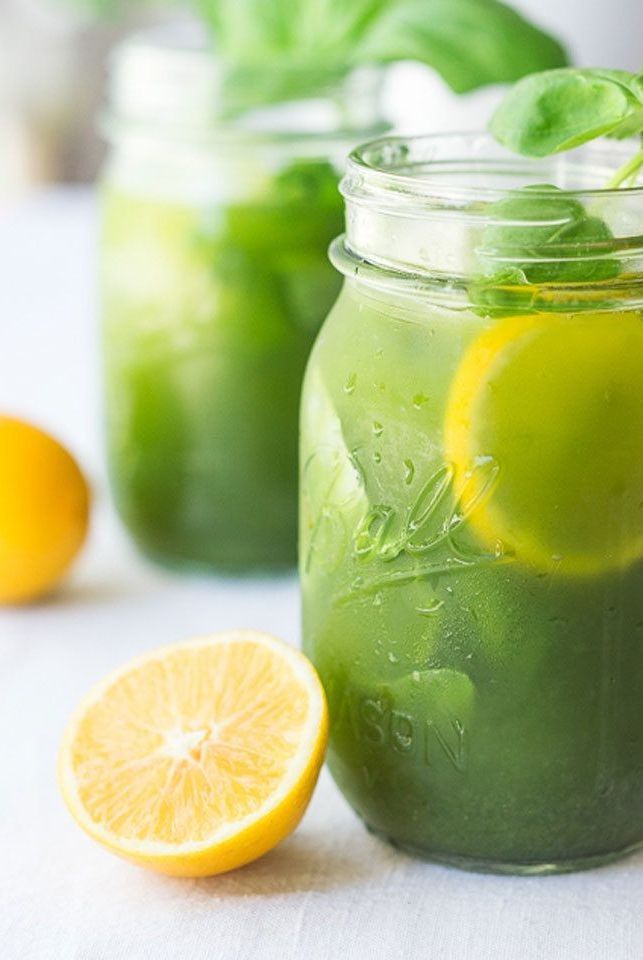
(471, 43)
(557, 110)
(315, 32)
(528, 243)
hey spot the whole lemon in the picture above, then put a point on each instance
(44, 511)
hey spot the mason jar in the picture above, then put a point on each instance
(217, 212)
(472, 504)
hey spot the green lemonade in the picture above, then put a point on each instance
(209, 313)
(472, 569)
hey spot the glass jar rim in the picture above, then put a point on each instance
(426, 213)
(381, 165)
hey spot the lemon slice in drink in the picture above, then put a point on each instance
(198, 757)
(556, 402)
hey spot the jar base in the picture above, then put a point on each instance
(527, 868)
(224, 568)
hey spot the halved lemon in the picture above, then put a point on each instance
(199, 757)
(555, 403)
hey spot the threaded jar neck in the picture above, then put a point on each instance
(439, 212)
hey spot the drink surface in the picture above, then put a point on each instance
(210, 309)
(472, 569)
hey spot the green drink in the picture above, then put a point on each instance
(215, 281)
(472, 531)
(210, 313)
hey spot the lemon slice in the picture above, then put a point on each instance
(197, 758)
(555, 402)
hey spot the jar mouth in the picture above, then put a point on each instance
(453, 212)
(472, 166)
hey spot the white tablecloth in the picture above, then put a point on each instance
(329, 891)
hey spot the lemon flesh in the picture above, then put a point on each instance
(555, 402)
(200, 757)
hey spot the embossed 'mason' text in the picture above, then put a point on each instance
(431, 740)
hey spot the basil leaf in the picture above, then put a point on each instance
(557, 110)
(528, 243)
(317, 32)
(471, 43)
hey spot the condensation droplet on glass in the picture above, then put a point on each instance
(378, 599)
(419, 400)
(392, 658)
(409, 472)
(377, 457)
(351, 383)
(430, 608)
(378, 428)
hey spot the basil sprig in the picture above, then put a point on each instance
(471, 43)
(550, 238)
(273, 46)
(557, 110)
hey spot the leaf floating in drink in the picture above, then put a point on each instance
(539, 236)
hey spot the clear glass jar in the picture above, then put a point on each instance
(471, 534)
(214, 275)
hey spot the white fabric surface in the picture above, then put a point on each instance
(331, 890)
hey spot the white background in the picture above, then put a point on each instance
(331, 890)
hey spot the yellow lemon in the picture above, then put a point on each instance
(199, 757)
(551, 405)
(44, 510)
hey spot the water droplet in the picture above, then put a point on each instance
(378, 599)
(392, 658)
(409, 471)
(377, 457)
(378, 428)
(379, 353)
(419, 400)
(430, 608)
(351, 383)
(415, 676)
